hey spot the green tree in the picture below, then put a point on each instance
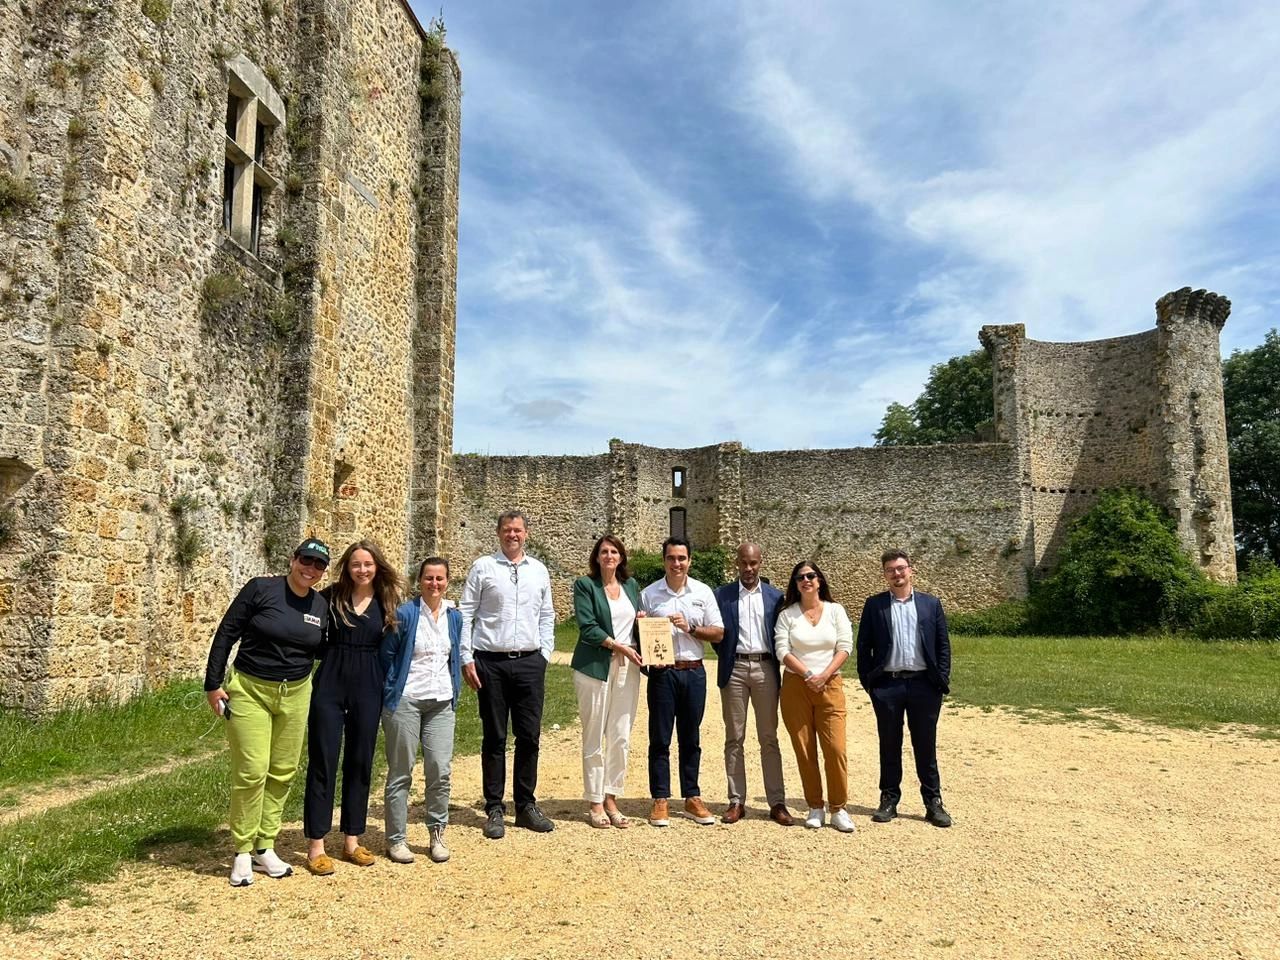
(1251, 392)
(1122, 569)
(956, 406)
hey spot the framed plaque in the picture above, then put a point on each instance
(656, 646)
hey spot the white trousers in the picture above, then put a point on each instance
(608, 710)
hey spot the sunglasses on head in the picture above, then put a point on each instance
(807, 576)
(313, 562)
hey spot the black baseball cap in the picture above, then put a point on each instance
(313, 548)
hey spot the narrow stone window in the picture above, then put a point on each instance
(678, 523)
(254, 110)
(677, 481)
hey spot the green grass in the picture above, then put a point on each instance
(1168, 680)
(51, 856)
(105, 738)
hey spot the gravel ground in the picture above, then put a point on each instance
(1071, 840)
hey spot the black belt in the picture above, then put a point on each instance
(904, 674)
(499, 655)
(754, 657)
(679, 665)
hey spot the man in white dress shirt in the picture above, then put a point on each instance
(508, 631)
(677, 695)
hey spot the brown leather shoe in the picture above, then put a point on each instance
(696, 810)
(359, 856)
(735, 813)
(779, 815)
(658, 816)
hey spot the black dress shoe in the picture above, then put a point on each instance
(936, 813)
(887, 810)
(493, 826)
(531, 818)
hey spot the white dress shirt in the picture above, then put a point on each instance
(506, 607)
(751, 637)
(428, 677)
(695, 601)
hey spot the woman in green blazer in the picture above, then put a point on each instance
(606, 677)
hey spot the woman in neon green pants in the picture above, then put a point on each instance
(280, 623)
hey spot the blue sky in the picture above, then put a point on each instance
(764, 221)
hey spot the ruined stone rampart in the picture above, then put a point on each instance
(239, 220)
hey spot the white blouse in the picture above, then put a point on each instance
(814, 644)
(428, 677)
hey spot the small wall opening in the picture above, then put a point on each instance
(678, 525)
(677, 481)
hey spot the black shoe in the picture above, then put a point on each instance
(531, 818)
(887, 810)
(936, 813)
(493, 826)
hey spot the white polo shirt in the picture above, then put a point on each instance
(695, 601)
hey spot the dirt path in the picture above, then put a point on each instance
(1070, 841)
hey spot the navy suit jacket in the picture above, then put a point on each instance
(727, 649)
(875, 639)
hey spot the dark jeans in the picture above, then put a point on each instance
(346, 698)
(676, 700)
(510, 687)
(921, 702)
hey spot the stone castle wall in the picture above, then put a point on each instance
(955, 508)
(178, 411)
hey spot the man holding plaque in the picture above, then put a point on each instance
(748, 676)
(677, 694)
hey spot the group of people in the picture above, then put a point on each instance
(779, 653)
(403, 664)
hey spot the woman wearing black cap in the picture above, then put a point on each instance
(280, 623)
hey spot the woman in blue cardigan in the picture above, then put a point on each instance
(422, 661)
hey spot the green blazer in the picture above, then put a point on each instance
(595, 625)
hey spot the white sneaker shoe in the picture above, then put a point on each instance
(266, 861)
(400, 853)
(841, 820)
(242, 870)
(815, 819)
(438, 852)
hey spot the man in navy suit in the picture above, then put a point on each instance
(904, 664)
(748, 674)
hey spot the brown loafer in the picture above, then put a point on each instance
(735, 813)
(779, 815)
(359, 856)
(321, 866)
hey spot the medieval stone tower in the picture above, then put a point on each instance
(228, 240)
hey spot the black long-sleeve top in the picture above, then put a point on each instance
(280, 633)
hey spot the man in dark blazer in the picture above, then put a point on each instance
(748, 675)
(904, 664)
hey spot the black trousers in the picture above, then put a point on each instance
(920, 702)
(677, 700)
(346, 698)
(510, 688)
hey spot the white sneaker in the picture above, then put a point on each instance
(400, 853)
(841, 820)
(242, 870)
(438, 852)
(815, 818)
(266, 861)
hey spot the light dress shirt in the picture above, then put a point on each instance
(428, 677)
(695, 601)
(751, 637)
(907, 652)
(506, 607)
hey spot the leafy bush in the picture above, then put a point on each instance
(1013, 618)
(1248, 610)
(646, 567)
(1122, 570)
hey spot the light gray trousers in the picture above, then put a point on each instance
(752, 683)
(429, 723)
